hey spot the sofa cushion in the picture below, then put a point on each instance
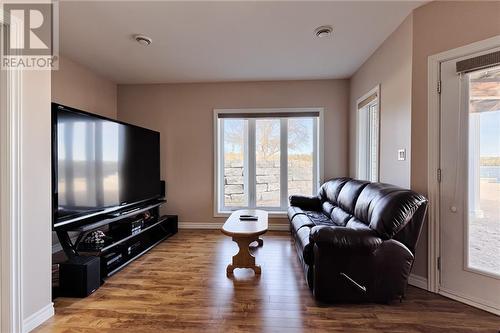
(327, 208)
(355, 223)
(349, 194)
(299, 218)
(368, 198)
(299, 221)
(319, 218)
(330, 190)
(339, 217)
(293, 211)
(393, 211)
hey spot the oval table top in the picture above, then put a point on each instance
(234, 227)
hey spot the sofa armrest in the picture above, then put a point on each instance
(345, 239)
(392, 263)
(305, 202)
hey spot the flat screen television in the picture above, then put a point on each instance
(100, 165)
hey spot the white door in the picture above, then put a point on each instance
(470, 186)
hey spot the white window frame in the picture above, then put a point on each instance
(318, 132)
(360, 167)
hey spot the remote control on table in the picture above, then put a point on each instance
(248, 218)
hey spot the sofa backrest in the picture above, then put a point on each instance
(389, 210)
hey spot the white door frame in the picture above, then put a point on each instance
(11, 314)
(433, 146)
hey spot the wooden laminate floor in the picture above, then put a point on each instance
(181, 285)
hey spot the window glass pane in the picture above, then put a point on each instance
(363, 143)
(300, 156)
(484, 171)
(368, 142)
(267, 159)
(235, 186)
(373, 160)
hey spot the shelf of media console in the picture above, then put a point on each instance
(99, 251)
(110, 218)
(122, 265)
(84, 227)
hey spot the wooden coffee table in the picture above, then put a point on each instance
(244, 233)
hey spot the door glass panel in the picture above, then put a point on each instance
(235, 185)
(484, 171)
(300, 156)
(267, 159)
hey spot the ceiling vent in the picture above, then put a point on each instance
(143, 40)
(323, 31)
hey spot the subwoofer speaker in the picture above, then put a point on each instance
(80, 276)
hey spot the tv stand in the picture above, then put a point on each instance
(130, 233)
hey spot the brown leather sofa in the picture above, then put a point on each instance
(356, 240)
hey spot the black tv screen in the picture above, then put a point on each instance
(100, 164)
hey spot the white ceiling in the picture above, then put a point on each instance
(225, 41)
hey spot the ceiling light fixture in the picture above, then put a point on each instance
(323, 31)
(143, 40)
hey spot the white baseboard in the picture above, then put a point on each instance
(418, 281)
(218, 226)
(37, 318)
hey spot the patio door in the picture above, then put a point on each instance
(470, 182)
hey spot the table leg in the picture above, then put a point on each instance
(244, 259)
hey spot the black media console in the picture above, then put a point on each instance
(126, 235)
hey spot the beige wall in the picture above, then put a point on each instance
(389, 66)
(437, 27)
(36, 204)
(76, 86)
(183, 113)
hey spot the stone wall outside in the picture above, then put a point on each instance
(268, 181)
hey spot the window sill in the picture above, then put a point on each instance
(272, 214)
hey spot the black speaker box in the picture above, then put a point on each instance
(80, 276)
